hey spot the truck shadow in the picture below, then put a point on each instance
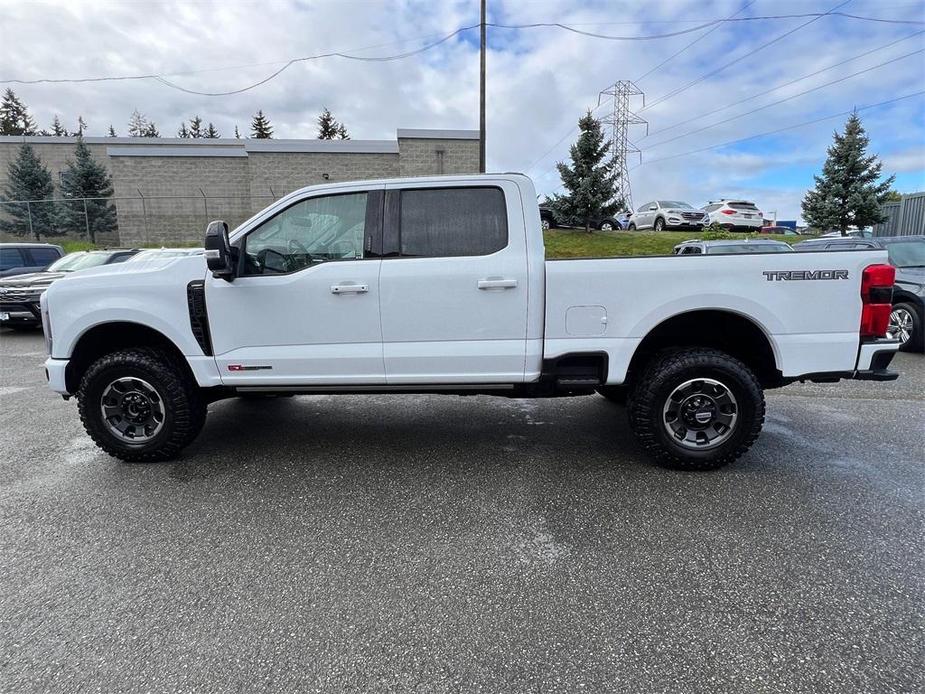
(413, 430)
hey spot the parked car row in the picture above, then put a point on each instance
(21, 290)
(661, 215)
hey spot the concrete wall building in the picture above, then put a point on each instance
(166, 189)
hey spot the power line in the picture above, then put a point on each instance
(789, 98)
(743, 57)
(780, 130)
(697, 40)
(443, 39)
(785, 84)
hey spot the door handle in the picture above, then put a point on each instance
(349, 288)
(497, 283)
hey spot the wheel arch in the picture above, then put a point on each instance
(729, 331)
(104, 338)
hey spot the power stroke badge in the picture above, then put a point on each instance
(790, 275)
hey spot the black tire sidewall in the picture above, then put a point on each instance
(659, 224)
(666, 373)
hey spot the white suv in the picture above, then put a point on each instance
(735, 214)
(667, 214)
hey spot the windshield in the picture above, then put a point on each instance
(906, 253)
(78, 261)
(674, 203)
(749, 248)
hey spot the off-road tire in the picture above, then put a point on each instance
(184, 408)
(669, 369)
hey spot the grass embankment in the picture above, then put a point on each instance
(562, 243)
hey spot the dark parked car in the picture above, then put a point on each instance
(697, 247)
(22, 258)
(19, 296)
(603, 223)
(907, 255)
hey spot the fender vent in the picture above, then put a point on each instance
(198, 317)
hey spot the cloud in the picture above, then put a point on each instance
(539, 81)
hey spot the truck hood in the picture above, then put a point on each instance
(31, 279)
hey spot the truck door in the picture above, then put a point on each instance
(304, 308)
(453, 284)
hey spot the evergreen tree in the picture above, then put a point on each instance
(28, 179)
(342, 133)
(589, 182)
(211, 132)
(137, 125)
(57, 129)
(151, 130)
(327, 125)
(260, 127)
(81, 126)
(195, 127)
(14, 116)
(183, 132)
(237, 135)
(86, 178)
(847, 193)
(112, 131)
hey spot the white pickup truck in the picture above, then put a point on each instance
(441, 285)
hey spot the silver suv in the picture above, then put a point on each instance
(667, 214)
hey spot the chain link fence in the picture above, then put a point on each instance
(141, 220)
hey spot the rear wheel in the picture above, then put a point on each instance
(545, 224)
(632, 227)
(606, 226)
(696, 409)
(906, 326)
(140, 405)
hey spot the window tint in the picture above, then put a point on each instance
(743, 206)
(10, 258)
(43, 256)
(316, 230)
(692, 250)
(712, 208)
(643, 208)
(452, 222)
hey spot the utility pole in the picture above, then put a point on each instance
(620, 119)
(482, 90)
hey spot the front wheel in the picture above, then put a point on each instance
(140, 405)
(659, 224)
(906, 326)
(545, 224)
(606, 226)
(696, 409)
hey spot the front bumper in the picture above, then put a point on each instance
(55, 372)
(20, 313)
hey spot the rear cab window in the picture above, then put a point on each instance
(451, 222)
(44, 256)
(11, 258)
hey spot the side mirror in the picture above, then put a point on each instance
(218, 251)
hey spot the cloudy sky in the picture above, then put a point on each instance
(540, 80)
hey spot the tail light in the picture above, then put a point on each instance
(728, 211)
(876, 299)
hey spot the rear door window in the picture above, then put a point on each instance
(443, 222)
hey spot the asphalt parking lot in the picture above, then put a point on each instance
(442, 544)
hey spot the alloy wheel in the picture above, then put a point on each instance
(901, 324)
(132, 409)
(700, 413)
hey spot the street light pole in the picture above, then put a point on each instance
(482, 90)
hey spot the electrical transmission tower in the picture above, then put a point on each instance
(620, 118)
